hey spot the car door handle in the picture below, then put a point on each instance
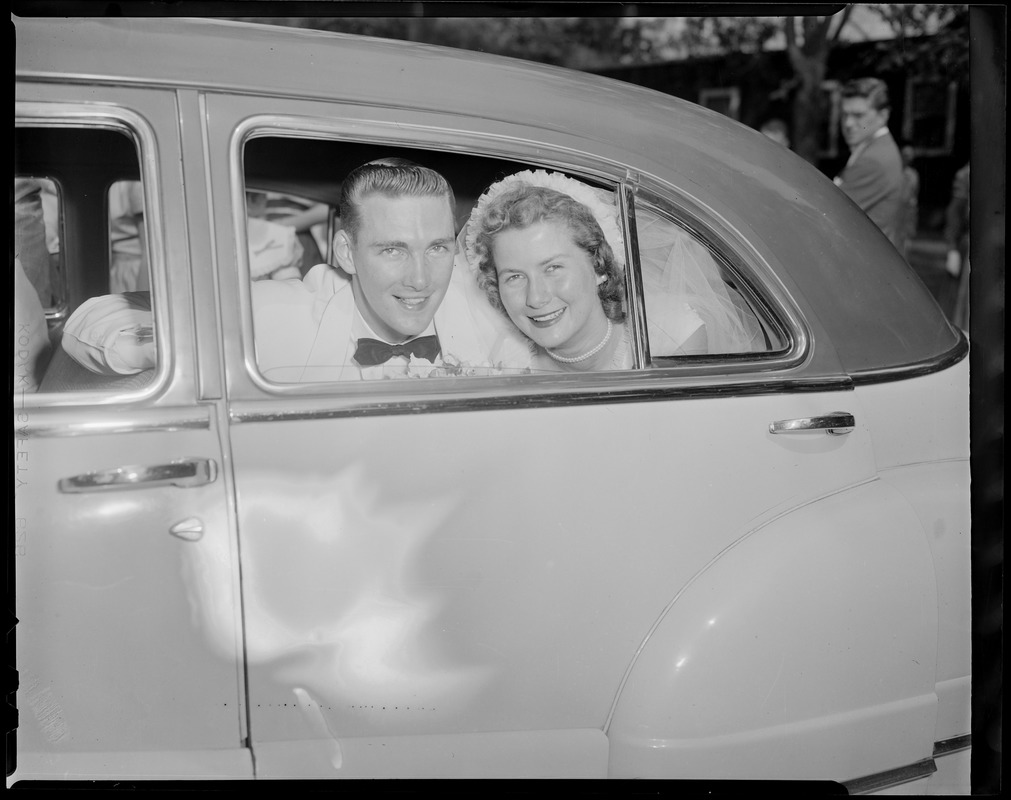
(836, 424)
(184, 472)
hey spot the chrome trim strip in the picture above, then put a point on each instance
(181, 472)
(916, 369)
(891, 777)
(497, 396)
(954, 745)
(63, 422)
(633, 275)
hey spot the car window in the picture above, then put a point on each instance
(310, 330)
(80, 242)
(695, 305)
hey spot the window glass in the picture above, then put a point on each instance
(128, 260)
(82, 263)
(929, 120)
(694, 306)
(287, 234)
(537, 285)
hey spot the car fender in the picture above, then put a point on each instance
(806, 649)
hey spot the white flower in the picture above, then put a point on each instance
(453, 367)
(599, 201)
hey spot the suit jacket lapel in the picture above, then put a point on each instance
(331, 349)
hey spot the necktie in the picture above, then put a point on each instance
(372, 351)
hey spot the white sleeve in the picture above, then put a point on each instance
(112, 334)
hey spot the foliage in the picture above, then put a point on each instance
(575, 42)
(934, 38)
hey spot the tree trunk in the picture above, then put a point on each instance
(809, 60)
(808, 110)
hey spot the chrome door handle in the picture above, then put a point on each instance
(836, 424)
(184, 472)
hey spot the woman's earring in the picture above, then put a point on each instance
(601, 279)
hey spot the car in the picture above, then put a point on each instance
(727, 566)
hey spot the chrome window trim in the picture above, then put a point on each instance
(66, 422)
(463, 394)
(496, 145)
(123, 120)
(776, 306)
(634, 289)
(938, 363)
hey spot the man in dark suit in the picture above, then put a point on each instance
(872, 176)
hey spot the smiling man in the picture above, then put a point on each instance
(872, 176)
(394, 307)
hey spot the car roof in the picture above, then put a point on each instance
(835, 262)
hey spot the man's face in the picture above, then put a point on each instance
(400, 262)
(860, 121)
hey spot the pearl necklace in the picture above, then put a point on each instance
(588, 353)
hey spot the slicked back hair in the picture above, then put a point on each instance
(390, 177)
(874, 89)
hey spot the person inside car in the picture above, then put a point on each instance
(542, 257)
(393, 309)
(549, 253)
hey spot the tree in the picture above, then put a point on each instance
(935, 37)
(576, 42)
(808, 43)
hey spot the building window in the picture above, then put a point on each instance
(929, 119)
(726, 101)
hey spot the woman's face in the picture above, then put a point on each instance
(548, 287)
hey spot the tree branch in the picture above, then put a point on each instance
(843, 19)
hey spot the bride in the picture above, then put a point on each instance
(548, 252)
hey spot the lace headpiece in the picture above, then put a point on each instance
(599, 201)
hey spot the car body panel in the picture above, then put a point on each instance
(109, 601)
(799, 677)
(404, 585)
(110, 606)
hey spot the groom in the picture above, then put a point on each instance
(397, 303)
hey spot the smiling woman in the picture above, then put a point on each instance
(543, 258)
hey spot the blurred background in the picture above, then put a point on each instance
(754, 69)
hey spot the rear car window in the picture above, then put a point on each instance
(80, 233)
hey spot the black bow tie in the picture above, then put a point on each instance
(372, 351)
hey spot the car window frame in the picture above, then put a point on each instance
(785, 321)
(140, 131)
(696, 376)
